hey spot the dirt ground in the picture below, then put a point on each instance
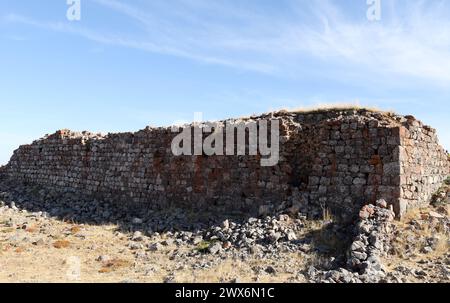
(36, 249)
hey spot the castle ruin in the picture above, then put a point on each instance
(339, 159)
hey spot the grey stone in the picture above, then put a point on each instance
(103, 258)
(167, 242)
(270, 270)
(137, 236)
(215, 248)
(291, 236)
(358, 246)
(135, 246)
(381, 203)
(427, 249)
(197, 240)
(225, 224)
(155, 247)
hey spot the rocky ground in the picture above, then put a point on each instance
(50, 237)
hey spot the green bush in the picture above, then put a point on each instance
(203, 246)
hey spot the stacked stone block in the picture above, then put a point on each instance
(333, 159)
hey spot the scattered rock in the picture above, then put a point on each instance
(366, 212)
(427, 249)
(382, 203)
(168, 242)
(135, 245)
(263, 238)
(270, 270)
(103, 258)
(137, 236)
(274, 236)
(436, 215)
(39, 242)
(291, 236)
(227, 245)
(215, 248)
(197, 240)
(155, 247)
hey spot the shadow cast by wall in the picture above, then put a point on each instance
(328, 242)
(128, 217)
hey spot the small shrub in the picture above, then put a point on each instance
(327, 214)
(447, 181)
(203, 246)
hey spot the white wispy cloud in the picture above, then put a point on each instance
(412, 40)
(144, 45)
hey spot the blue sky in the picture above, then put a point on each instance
(129, 64)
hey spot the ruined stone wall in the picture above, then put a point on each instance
(424, 164)
(349, 158)
(336, 160)
(139, 169)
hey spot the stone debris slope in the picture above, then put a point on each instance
(44, 235)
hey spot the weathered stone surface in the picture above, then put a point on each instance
(340, 159)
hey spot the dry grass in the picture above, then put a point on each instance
(25, 262)
(7, 230)
(243, 271)
(328, 107)
(327, 215)
(408, 244)
(447, 181)
(325, 107)
(51, 261)
(114, 265)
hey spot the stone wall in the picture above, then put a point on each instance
(423, 164)
(337, 160)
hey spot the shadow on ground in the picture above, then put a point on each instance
(326, 239)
